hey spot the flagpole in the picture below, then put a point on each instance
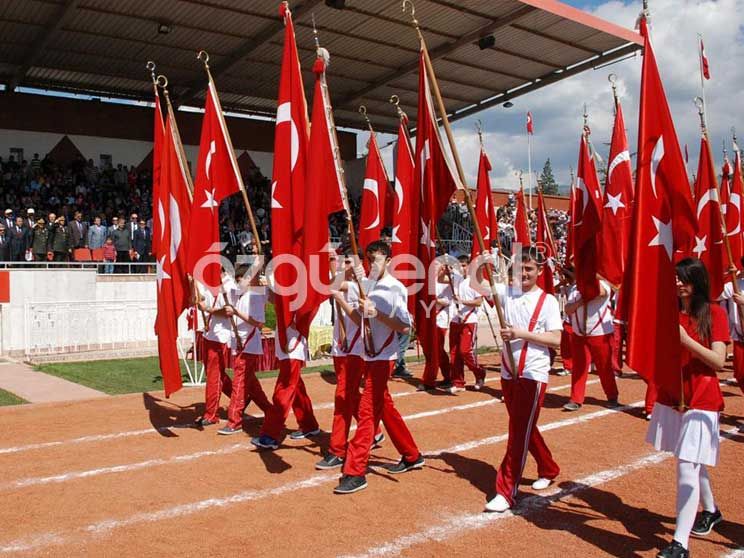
(700, 104)
(461, 173)
(203, 56)
(529, 166)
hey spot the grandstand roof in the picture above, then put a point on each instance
(100, 47)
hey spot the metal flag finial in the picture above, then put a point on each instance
(733, 133)
(479, 128)
(151, 66)
(612, 78)
(363, 112)
(395, 100)
(162, 81)
(203, 55)
(700, 104)
(411, 5)
(315, 32)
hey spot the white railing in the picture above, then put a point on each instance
(64, 327)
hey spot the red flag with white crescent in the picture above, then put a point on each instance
(157, 154)
(217, 177)
(618, 197)
(323, 183)
(484, 209)
(709, 238)
(288, 178)
(543, 241)
(704, 66)
(734, 213)
(530, 125)
(663, 222)
(374, 195)
(521, 224)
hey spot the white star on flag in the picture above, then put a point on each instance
(614, 203)
(700, 245)
(210, 202)
(160, 272)
(663, 236)
(426, 235)
(394, 239)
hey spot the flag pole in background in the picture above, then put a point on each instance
(530, 132)
(204, 57)
(704, 74)
(461, 173)
(700, 104)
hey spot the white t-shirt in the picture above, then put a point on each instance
(518, 310)
(253, 304)
(597, 314)
(220, 326)
(390, 298)
(296, 343)
(733, 313)
(354, 341)
(445, 313)
(466, 314)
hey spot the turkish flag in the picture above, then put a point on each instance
(484, 209)
(172, 280)
(436, 181)
(521, 224)
(704, 61)
(407, 201)
(157, 150)
(324, 183)
(217, 177)
(374, 197)
(288, 180)
(618, 197)
(587, 223)
(569, 223)
(544, 242)
(530, 126)
(709, 238)
(663, 222)
(731, 190)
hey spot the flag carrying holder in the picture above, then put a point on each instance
(471, 209)
(194, 368)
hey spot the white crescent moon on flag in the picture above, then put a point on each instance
(656, 156)
(399, 194)
(622, 157)
(371, 185)
(175, 228)
(212, 151)
(736, 202)
(710, 195)
(284, 114)
(584, 199)
(161, 217)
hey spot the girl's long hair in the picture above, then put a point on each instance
(691, 271)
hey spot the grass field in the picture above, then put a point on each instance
(7, 398)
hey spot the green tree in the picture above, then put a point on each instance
(547, 180)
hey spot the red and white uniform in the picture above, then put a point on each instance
(592, 341)
(289, 390)
(443, 317)
(566, 337)
(462, 335)
(347, 362)
(538, 312)
(245, 385)
(737, 335)
(217, 340)
(391, 299)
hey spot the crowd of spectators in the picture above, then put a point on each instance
(80, 211)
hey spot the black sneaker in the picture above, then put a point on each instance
(350, 484)
(444, 384)
(203, 423)
(674, 550)
(613, 403)
(377, 440)
(265, 442)
(572, 406)
(300, 435)
(402, 373)
(330, 461)
(228, 430)
(404, 466)
(705, 521)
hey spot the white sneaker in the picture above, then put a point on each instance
(541, 483)
(479, 385)
(455, 389)
(498, 504)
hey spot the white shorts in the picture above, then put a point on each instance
(691, 436)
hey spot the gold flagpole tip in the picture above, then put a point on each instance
(203, 55)
(412, 6)
(162, 81)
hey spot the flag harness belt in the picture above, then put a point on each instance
(533, 323)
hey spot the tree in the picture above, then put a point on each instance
(547, 180)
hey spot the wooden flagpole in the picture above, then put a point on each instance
(461, 173)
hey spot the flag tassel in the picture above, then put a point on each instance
(461, 174)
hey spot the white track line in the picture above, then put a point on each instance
(144, 431)
(42, 540)
(736, 553)
(457, 525)
(129, 467)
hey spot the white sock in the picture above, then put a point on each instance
(706, 491)
(688, 497)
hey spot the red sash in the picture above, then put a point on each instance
(599, 321)
(533, 323)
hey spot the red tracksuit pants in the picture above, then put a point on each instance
(375, 405)
(289, 393)
(216, 356)
(523, 399)
(430, 371)
(618, 337)
(597, 349)
(245, 387)
(349, 372)
(462, 340)
(566, 334)
(739, 363)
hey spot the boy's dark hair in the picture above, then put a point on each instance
(534, 255)
(241, 270)
(463, 258)
(379, 246)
